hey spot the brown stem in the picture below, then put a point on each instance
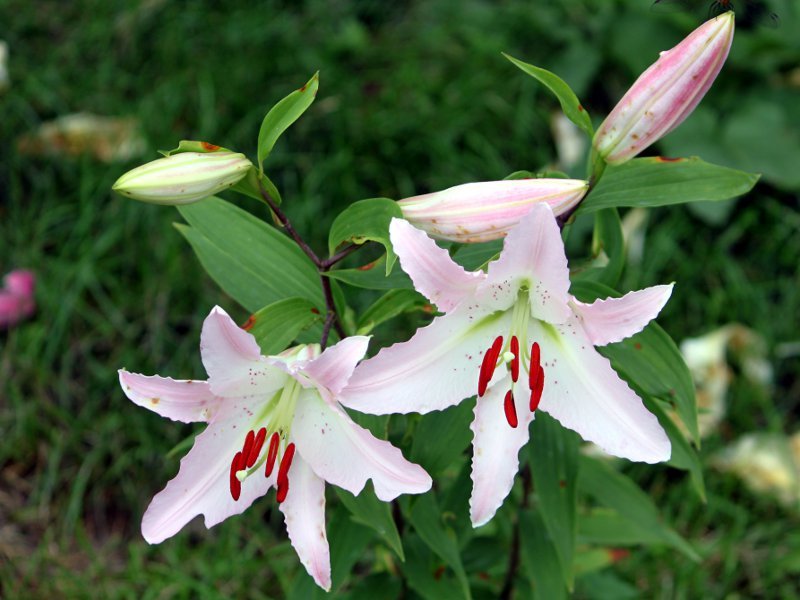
(284, 221)
(339, 256)
(513, 559)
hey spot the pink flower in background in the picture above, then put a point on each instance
(479, 212)
(666, 93)
(514, 337)
(272, 421)
(16, 297)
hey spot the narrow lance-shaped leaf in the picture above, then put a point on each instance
(617, 491)
(283, 114)
(553, 460)
(566, 97)
(390, 305)
(661, 181)
(372, 276)
(539, 559)
(367, 510)
(276, 325)
(608, 246)
(254, 263)
(366, 220)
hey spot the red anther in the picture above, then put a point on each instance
(286, 462)
(515, 360)
(511, 409)
(235, 484)
(533, 367)
(258, 443)
(248, 445)
(488, 365)
(537, 388)
(272, 453)
(283, 489)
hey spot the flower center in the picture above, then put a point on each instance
(277, 417)
(509, 355)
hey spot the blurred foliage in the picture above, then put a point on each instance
(414, 96)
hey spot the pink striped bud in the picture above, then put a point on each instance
(666, 93)
(479, 212)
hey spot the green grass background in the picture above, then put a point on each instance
(414, 97)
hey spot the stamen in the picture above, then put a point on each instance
(515, 360)
(283, 473)
(536, 388)
(272, 453)
(533, 366)
(248, 444)
(511, 409)
(235, 484)
(258, 443)
(488, 365)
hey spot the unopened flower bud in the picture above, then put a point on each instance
(666, 93)
(183, 178)
(479, 212)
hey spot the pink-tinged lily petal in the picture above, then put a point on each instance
(667, 92)
(495, 449)
(347, 455)
(430, 267)
(483, 211)
(20, 282)
(233, 360)
(304, 513)
(533, 255)
(614, 319)
(586, 395)
(202, 485)
(180, 400)
(13, 308)
(333, 368)
(436, 368)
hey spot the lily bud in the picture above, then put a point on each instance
(479, 212)
(183, 178)
(666, 93)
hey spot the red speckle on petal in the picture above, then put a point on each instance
(209, 147)
(315, 311)
(368, 266)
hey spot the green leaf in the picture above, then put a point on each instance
(553, 460)
(684, 456)
(474, 256)
(388, 306)
(605, 527)
(660, 181)
(249, 186)
(618, 492)
(373, 276)
(608, 245)
(255, 264)
(649, 360)
(441, 437)
(539, 558)
(194, 146)
(426, 575)
(427, 522)
(283, 114)
(363, 221)
(570, 104)
(278, 324)
(367, 510)
(537, 175)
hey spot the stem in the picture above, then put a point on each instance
(513, 559)
(598, 167)
(332, 319)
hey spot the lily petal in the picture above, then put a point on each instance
(304, 514)
(436, 368)
(434, 273)
(180, 400)
(533, 254)
(495, 450)
(332, 369)
(347, 455)
(202, 485)
(233, 360)
(586, 395)
(614, 319)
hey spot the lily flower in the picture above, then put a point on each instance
(17, 300)
(514, 337)
(273, 421)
